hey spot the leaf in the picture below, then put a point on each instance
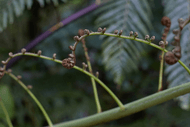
(176, 73)
(8, 101)
(121, 56)
(10, 7)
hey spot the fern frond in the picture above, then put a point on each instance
(10, 7)
(176, 73)
(122, 56)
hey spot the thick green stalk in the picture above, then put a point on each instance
(6, 114)
(131, 108)
(33, 97)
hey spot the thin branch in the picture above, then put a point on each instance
(80, 69)
(131, 108)
(33, 97)
(81, 32)
(166, 22)
(6, 113)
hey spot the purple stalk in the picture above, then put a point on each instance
(43, 36)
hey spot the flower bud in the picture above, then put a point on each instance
(23, 50)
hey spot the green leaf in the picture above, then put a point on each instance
(121, 56)
(10, 7)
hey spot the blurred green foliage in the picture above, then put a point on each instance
(68, 94)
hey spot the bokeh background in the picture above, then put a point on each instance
(130, 69)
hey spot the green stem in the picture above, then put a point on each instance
(6, 114)
(33, 97)
(92, 80)
(186, 68)
(96, 96)
(80, 69)
(94, 85)
(160, 86)
(131, 108)
(104, 86)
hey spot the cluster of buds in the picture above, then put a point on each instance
(120, 32)
(172, 57)
(147, 37)
(71, 61)
(135, 35)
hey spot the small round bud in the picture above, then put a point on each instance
(71, 55)
(152, 38)
(166, 30)
(81, 32)
(175, 31)
(1, 74)
(72, 62)
(4, 62)
(97, 74)
(76, 38)
(54, 56)
(104, 30)
(131, 33)
(166, 43)
(1, 69)
(135, 34)
(180, 20)
(120, 32)
(9, 71)
(99, 29)
(161, 43)
(71, 47)
(39, 52)
(11, 54)
(86, 31)
(116, 31)
(147, 37)
(23, 50)
(83, 63)
(19, 77)
(29, 86)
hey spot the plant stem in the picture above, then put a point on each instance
(104, 86)
(80, 69)
(160, 86)
(33, 97)
(92, 80)
(6, 113)
(131, 108)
